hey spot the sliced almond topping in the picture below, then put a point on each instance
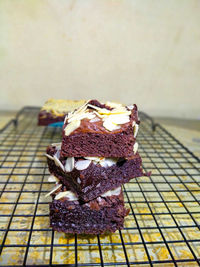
(135, 130)
(119, 118)
(49, 156)
(121, 110)
(135, 148)
(78, 111)
(83, 107)
(110, 126)
(69, 164)
(95, 119)
(52, 179)
(80, 116)
(53, 190)
(82, 164)
(95, 159)
(94, 107)
(100, 110)
(114, 192)
(113, 105)
(58, 163)
(90, 116)
(99, 115)
(108, 162)
(78, 180)
(69, 194)
(72, 126)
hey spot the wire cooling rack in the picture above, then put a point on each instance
(162, 229)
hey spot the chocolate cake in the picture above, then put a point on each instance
(105, 213)
(55, 110)
(100, 130)
(92, 176)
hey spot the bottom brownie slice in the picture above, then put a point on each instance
(105, 213)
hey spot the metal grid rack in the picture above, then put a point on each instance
(163, 226)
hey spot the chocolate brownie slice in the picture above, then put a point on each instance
(100, 130)
(55, 110)
(106, 213)
(92, 176)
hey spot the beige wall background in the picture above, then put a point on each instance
(145, 52)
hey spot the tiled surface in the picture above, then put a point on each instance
(162, 227)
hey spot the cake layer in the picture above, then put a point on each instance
(55, 110)
(100, 130)
(106, 213)
(91, 176)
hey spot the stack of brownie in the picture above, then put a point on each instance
(97, 155)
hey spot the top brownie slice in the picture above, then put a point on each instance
(100, 130)
(55, 110)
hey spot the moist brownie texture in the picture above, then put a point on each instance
(69, 215)
(100, 130)
(55, 110)
(91, 177)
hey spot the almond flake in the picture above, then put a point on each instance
(78, 180)
(108, 162)
(52, 179)
(69, 194)
(79, 110)
(53, 190)
(100, 110)
(72, 126)
(110, 126)
(99, 115)
(58, 163)
(80, 116)
(119, 118)
(114, 192)
(135, 130)
(113, 105)
(82, 164)
(94, 107)
(95, 119)
(90, 116)
(135, 148)
(121, 110)
(49, 156)
(95, 159)
(83, 107)
(69, 164)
